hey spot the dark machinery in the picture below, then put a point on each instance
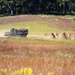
(17, 32)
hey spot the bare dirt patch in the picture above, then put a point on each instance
(2, 33)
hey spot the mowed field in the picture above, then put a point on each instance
(43, 56)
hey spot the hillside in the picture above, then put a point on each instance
(66, 23)
(34, 54)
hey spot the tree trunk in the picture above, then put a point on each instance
(11, 12)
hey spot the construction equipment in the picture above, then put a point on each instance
(17, 32)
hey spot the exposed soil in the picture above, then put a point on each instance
(2, 33)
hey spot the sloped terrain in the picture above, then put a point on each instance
(42, 55)
(53, 21)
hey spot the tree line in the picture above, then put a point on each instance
(15, 7)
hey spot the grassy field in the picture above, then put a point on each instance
(35, 28)
(39, 24)
(34, 55)
(40, 41)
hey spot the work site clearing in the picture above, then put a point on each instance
(39, 53)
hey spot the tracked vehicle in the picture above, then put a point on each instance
(17, 32)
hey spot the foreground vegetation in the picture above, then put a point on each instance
(40, 41)
(42, 58)
(24, 71)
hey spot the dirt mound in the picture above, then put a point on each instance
(72, 36)
(51, 35)
(61, 36)
(68, 35)
(55, 34)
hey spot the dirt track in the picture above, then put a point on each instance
(2, 33)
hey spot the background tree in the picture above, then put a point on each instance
(14, 7)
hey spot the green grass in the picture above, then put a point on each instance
(61, 16)
(35, 28)
(39, 41)
(70, 16)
